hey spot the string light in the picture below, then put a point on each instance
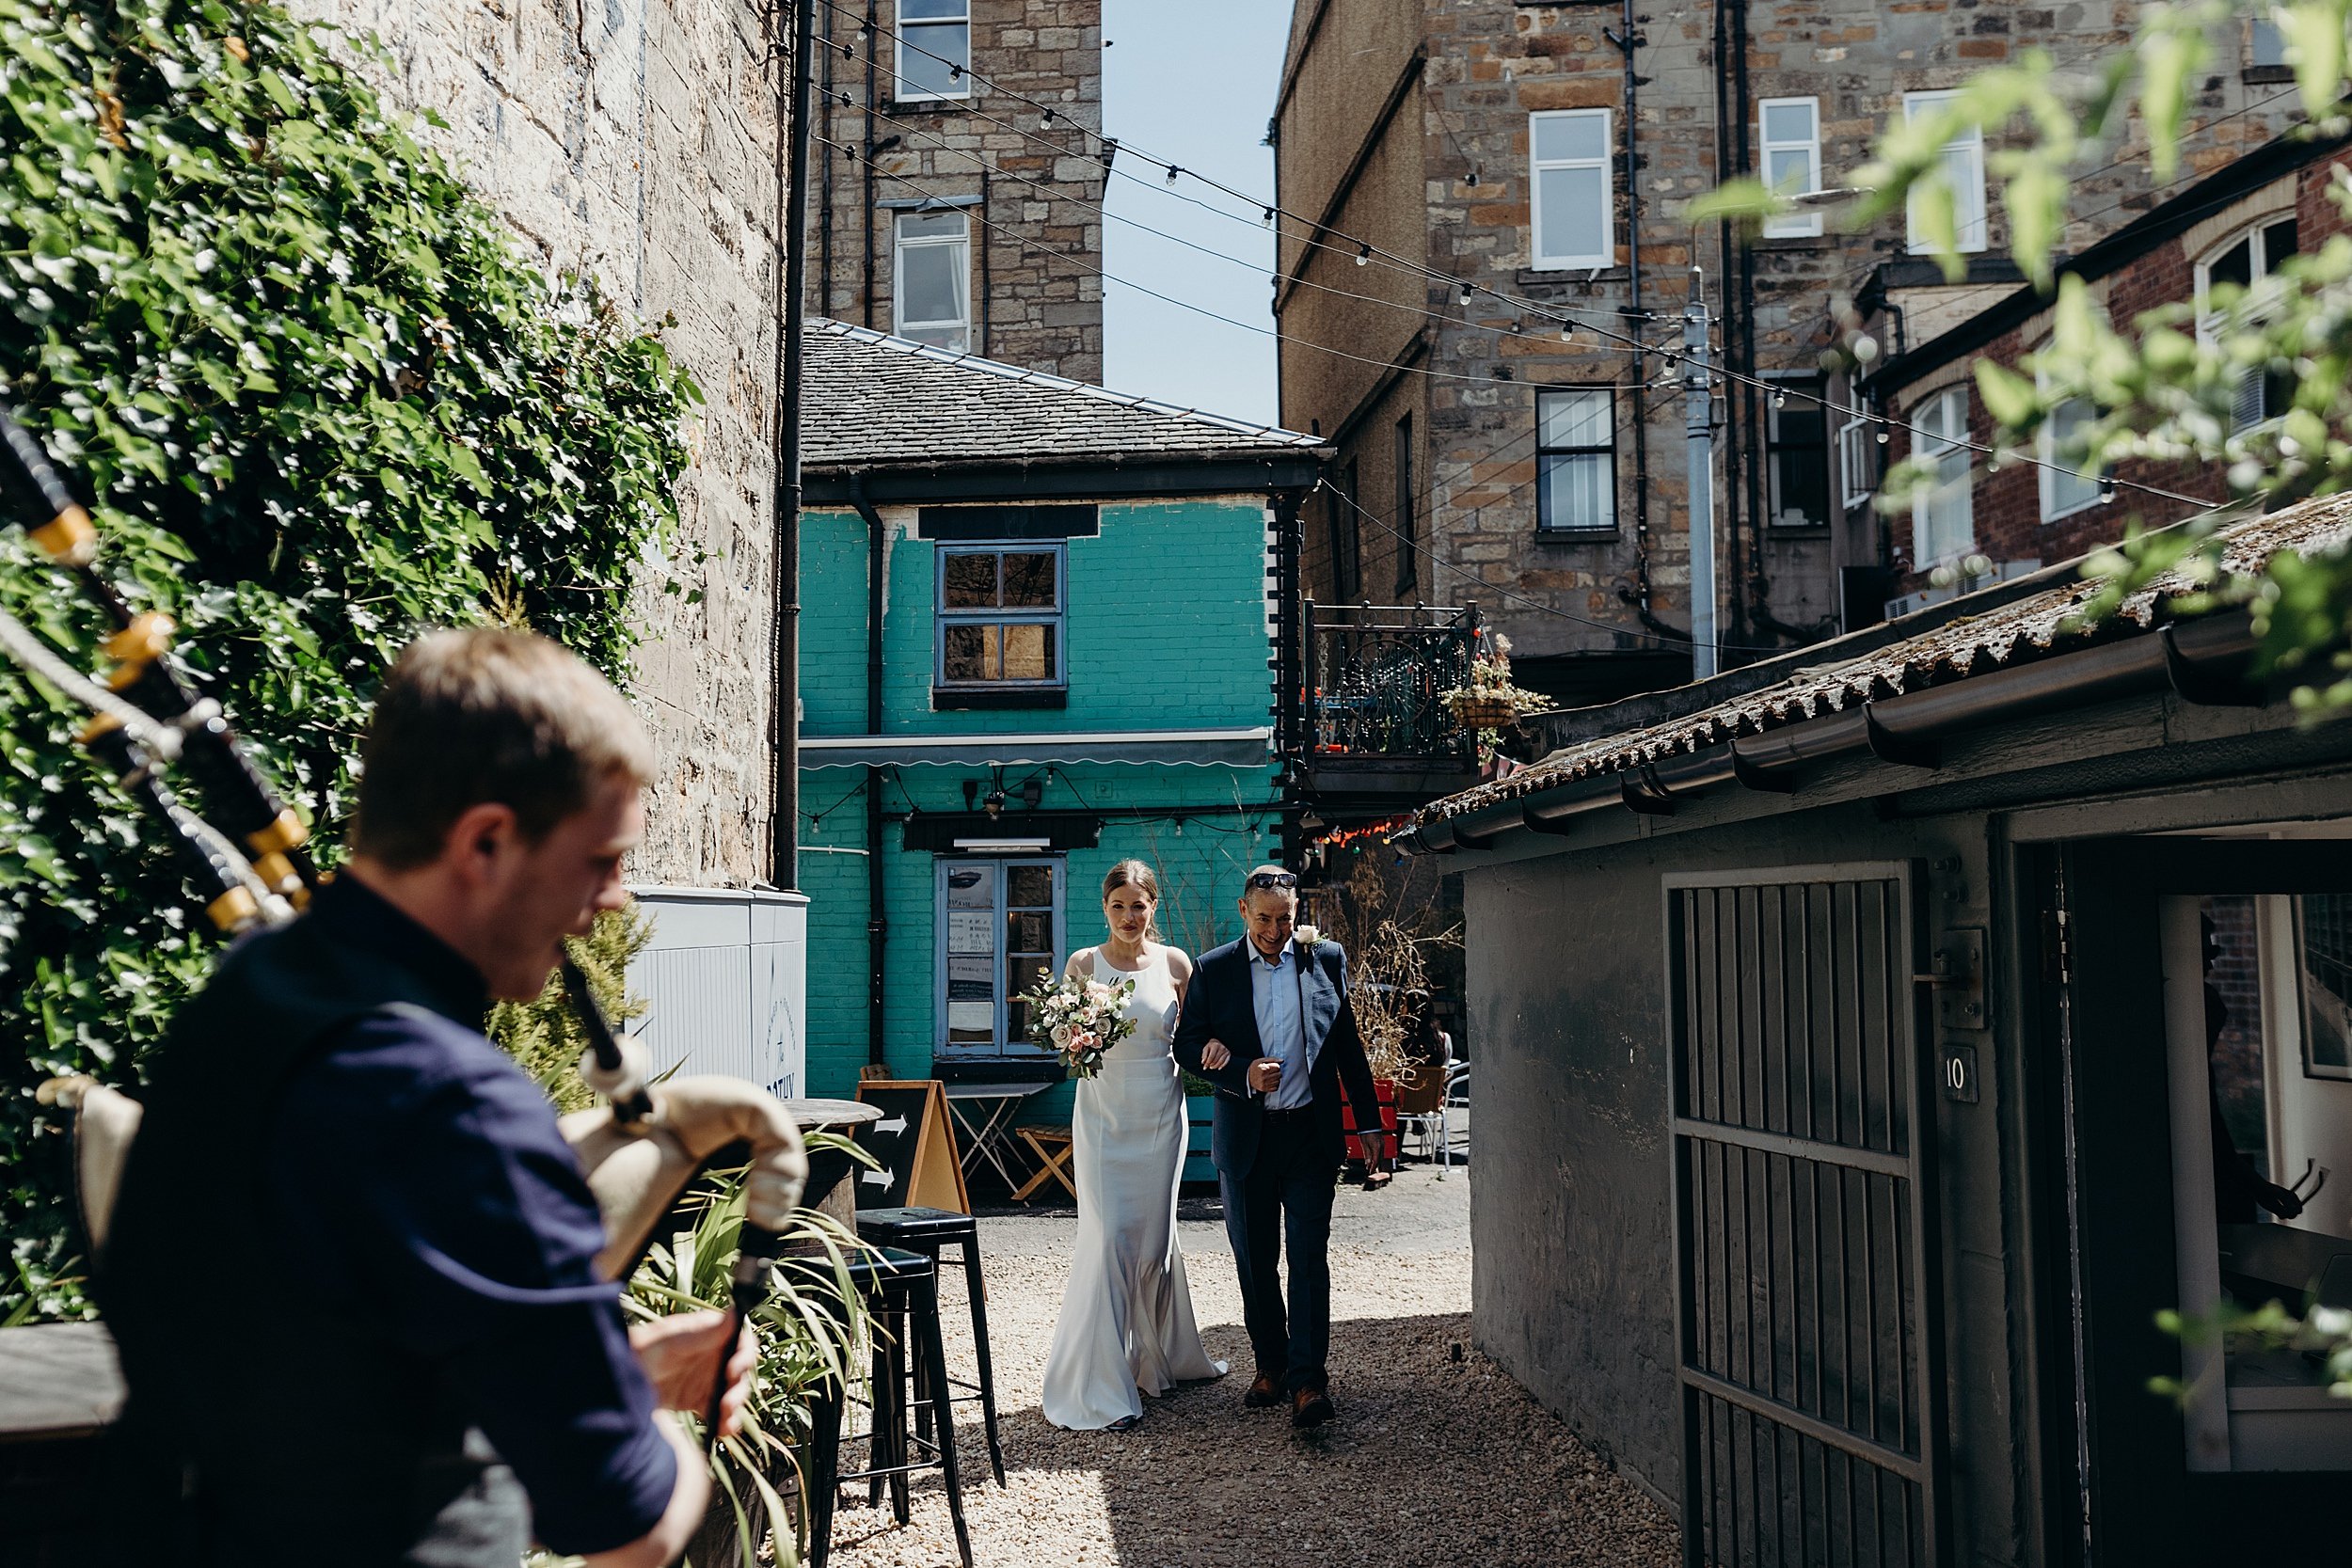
(1267, 218)
(1363, 254)
(866, 27)
(1172, 172)
(1883, 433)
(1466, 293)
(955, 73)
(1048, 121)
(1780, 399)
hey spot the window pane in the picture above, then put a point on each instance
(971, 887)
(1029, 932)
(1029, 580)
(2270, 45)
(934, 10)
(1028, 653)
(925, 77)
(1573, 208)
(970, 652)
(1790, 173)
(1963, 164)
(1029, 887)
(1570, 136)
(1574, 419)
(971, 581)
(1787, 122)
(1573, 492)
(2278, 244)
(931, 286)
(931, 225)
(2233, 265)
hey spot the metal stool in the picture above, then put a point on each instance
(901, 1289)
(926, 1231)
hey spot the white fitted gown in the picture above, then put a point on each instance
(1126, 1316)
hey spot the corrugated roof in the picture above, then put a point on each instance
(874, 400)
(2042, 626)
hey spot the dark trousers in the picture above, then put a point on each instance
(1285, 1198)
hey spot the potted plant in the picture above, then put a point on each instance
(1488, 700)
(1389, 985)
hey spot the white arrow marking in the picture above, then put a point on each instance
(879, 1178)
(895, 1124)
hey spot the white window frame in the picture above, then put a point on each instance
(1599, 530)
(1790, 226)
(1857, 463)
(1971, 226)
(922, 32)
(900, 244)
(1948, 407)
(2054, 466)
(1607, 257)
(1004, 1042)
(2256, 236)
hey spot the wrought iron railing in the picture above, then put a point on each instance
(1377, 675)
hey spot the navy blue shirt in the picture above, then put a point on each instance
(421, 1176)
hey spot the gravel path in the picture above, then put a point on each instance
(1437, 1457)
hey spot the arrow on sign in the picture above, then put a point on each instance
(895, 1124)
(878, 1178)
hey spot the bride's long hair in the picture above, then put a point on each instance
(1136, 874)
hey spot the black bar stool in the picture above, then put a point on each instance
(928, 1230)
(901, 1289)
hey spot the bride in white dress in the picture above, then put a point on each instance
(1127, 1326)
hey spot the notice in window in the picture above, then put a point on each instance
(971, 932)
(970, 979)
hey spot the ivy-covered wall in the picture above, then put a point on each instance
(319, 399)
(635, 141)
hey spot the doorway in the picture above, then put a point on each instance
(2203, 1050)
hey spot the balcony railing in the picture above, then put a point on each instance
(1377, 675)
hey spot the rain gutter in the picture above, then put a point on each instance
(2200, 661)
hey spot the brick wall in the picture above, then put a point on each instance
(1032, 307)
(637, 139)
(2006, 498)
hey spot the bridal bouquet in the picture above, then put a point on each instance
(1079, 1019)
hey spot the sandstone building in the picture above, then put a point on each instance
(1537, 159)
(960, 177)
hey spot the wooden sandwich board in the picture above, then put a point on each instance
(915, 1142)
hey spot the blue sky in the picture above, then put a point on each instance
(1192, 82)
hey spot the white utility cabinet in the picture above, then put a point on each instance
(727, 977)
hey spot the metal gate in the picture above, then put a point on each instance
(1804, 1238)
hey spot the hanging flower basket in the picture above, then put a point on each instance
(1481, 710)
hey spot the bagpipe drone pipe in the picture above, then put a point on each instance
(246, 854)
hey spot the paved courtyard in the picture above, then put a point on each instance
(1437, 1457)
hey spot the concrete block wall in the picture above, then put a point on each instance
(1037, 254)
(637, 140)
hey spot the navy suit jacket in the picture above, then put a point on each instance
(1222, 1004)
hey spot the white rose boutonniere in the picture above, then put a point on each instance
(1307, 937)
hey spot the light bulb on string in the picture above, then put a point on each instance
(1047, 122)
(1172, 172)
(1883, 433)
(1465, 294)
(1780, 399)
(848, 50)
(1363, 254)
(866, 27)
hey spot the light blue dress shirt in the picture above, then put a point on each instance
(1275, 989)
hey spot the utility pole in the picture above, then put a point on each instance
(1699, 444)
(784, 832)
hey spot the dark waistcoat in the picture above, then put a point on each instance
(264, 1425)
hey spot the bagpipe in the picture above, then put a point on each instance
(246, 852)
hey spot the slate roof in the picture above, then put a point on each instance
(874, 400)
(2042, 625)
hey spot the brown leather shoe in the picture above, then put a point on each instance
(1265, 1392)
(1311, 1407)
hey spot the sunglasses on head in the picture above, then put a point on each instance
(1271, 879)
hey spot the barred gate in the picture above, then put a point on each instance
(1804, 1238)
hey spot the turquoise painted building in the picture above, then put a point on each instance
(1038, 635)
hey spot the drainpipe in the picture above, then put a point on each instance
(785, 737)
(877, 920)
(866, 163)
(824, 185)
(1626, 42)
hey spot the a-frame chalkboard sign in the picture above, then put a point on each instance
(916, 1143)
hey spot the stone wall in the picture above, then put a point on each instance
(637, 139)
(1035, 189)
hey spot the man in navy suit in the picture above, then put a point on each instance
(1267, 1021)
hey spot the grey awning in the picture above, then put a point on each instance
(1245, 748)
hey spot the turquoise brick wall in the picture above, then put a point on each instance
(1165, 630)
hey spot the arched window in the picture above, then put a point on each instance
(2243, 262)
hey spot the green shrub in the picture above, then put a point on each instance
(319, 400)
